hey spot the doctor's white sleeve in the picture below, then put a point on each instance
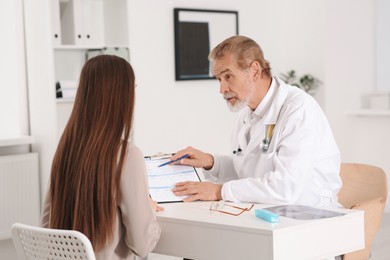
(222, 171)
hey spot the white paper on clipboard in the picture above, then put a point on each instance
(163, 179)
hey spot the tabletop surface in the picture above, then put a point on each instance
(198, 213)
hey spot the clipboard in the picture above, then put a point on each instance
(163, 179)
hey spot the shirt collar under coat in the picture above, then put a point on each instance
(268, 111)
(269, 108)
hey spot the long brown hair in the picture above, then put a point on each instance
(86, 170)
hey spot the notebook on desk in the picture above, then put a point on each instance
(163, 179)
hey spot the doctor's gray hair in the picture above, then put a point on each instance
(245, 49)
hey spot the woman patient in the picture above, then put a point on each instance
(98, 182)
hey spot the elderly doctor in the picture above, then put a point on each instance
(283, 149)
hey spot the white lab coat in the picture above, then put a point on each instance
(302, 163)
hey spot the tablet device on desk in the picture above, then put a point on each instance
(303, 212)
(163, 179)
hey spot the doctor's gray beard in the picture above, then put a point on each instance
(240, 104)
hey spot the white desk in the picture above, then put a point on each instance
(191, 230)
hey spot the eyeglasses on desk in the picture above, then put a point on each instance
(221, 206)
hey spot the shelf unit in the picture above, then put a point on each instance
(89, 22)
(51, 57)
(16, 140)
(79, 26)
(370, 112)
(85, 47)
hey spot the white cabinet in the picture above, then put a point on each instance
(50, 59)
(90, 23)
(55, 22)
(79, 26)
(82, 22)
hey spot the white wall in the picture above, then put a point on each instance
(13, 90)
(171, 115)
(350, 71)
(382, 45)
(13, 87)
(40, 64)
(174, 114)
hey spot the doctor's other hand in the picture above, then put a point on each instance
(155, 206)
(196, 158)
(198, 190)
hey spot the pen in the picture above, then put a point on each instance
(178, 159)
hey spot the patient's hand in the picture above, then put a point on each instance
(155, 206)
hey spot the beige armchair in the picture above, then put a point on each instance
(364, 188)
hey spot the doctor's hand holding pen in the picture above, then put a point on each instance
(196, 190)
(194, 157)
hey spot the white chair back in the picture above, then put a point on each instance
(52, 244)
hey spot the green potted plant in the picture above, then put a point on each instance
(307, 82)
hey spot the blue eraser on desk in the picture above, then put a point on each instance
(267, 215)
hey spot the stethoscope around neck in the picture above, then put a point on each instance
(269, 131)
(265, 143)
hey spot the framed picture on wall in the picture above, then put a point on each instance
(196, 33)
